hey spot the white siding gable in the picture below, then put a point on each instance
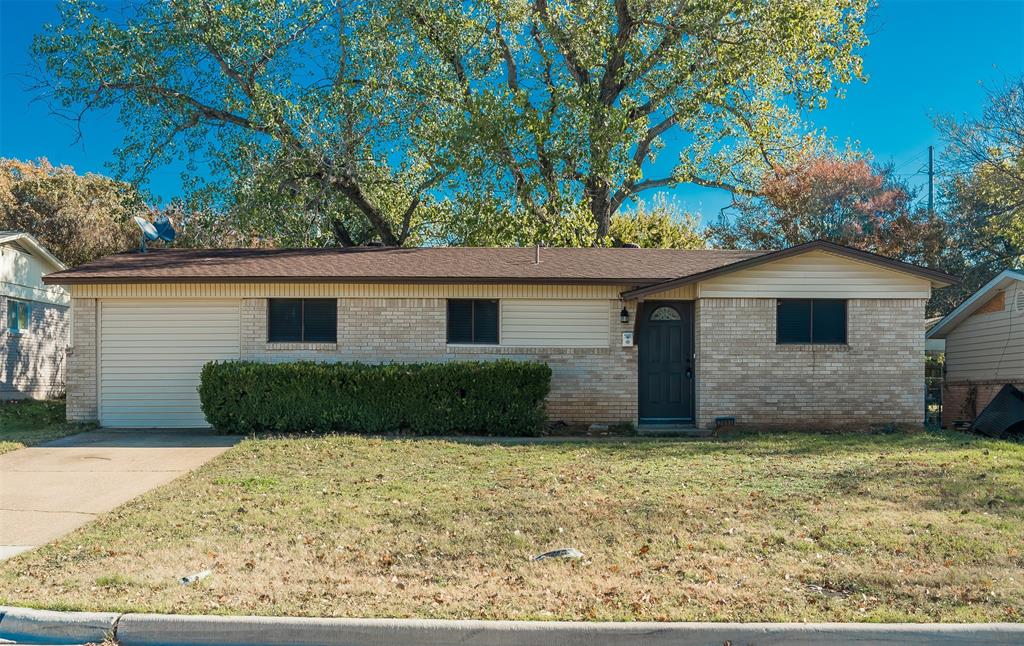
(989, 345)
(816, 274)
(21, 276)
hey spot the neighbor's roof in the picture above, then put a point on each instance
(975, 301)
(31, 245)
(619, 266)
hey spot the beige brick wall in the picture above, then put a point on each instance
(81, 386)
(32, 363)
(877, 377)
(588, 384)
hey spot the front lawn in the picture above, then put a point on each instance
(28, 422)
(787, 527)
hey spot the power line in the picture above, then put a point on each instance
(910, 161)
(931, 180)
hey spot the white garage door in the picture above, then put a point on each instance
(151, 353)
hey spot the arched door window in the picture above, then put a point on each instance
(665, 313)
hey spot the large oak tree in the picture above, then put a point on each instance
(367, 115)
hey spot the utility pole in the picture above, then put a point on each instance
(931, 181)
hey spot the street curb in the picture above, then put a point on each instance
(51, 627)
(42, 627)
(164, 630)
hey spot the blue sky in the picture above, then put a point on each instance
(925, 59)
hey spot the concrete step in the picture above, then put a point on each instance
(672, 430)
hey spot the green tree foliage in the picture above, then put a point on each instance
(306, 91)
(984, 196)
(358, 119)
(76, 217)
(845, 200)
(660, 224)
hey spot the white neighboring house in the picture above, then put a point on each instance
(984, 339)
(35, 320)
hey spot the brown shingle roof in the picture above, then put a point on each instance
(428, 264)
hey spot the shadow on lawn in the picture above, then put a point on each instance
(751, 444)
(953, 485)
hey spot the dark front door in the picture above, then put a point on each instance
(666, 361)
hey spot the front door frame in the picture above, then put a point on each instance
(686, 309)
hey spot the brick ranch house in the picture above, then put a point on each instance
(817, 334)
(984, 347)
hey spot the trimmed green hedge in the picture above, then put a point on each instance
(485, 398)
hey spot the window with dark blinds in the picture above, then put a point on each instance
(302, 320)
(473, 321)
(320, 320)
(284, 320)
(828, 320)
(485, 322)
(810, 320)
(793, 321)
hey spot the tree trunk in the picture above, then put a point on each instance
(341, 235)
(599, 195)
(377, 219)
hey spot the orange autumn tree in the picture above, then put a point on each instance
(847, 201)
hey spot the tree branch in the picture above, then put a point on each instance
(512, 79)
(576, 69)
(630, 190)
(611, 85)
(429, 182)
(655, 131)
(207, 111)
(673, 31)
(257, 66)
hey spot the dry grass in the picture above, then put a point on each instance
(29, 422)
(847, 527)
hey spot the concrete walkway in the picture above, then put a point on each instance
(48, 490)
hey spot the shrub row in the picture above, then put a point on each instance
(486, 398)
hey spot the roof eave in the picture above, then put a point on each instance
(30, 241)
(57, 279)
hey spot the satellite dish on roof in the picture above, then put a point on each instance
(162, 231)
(164, 228)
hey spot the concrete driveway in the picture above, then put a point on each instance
(48, 490)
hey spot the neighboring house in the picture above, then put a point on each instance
(34, 320)
(818, 334)
(933, 346)
(984, 339)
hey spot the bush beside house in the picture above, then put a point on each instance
(486, 398)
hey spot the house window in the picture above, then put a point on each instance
(665, 313)
(302, 320)
(19, 316)
(472, 321)
(810, 320)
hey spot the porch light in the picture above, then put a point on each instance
(624, 315)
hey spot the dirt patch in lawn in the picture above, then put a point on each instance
(784, 527)
(29, 422)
